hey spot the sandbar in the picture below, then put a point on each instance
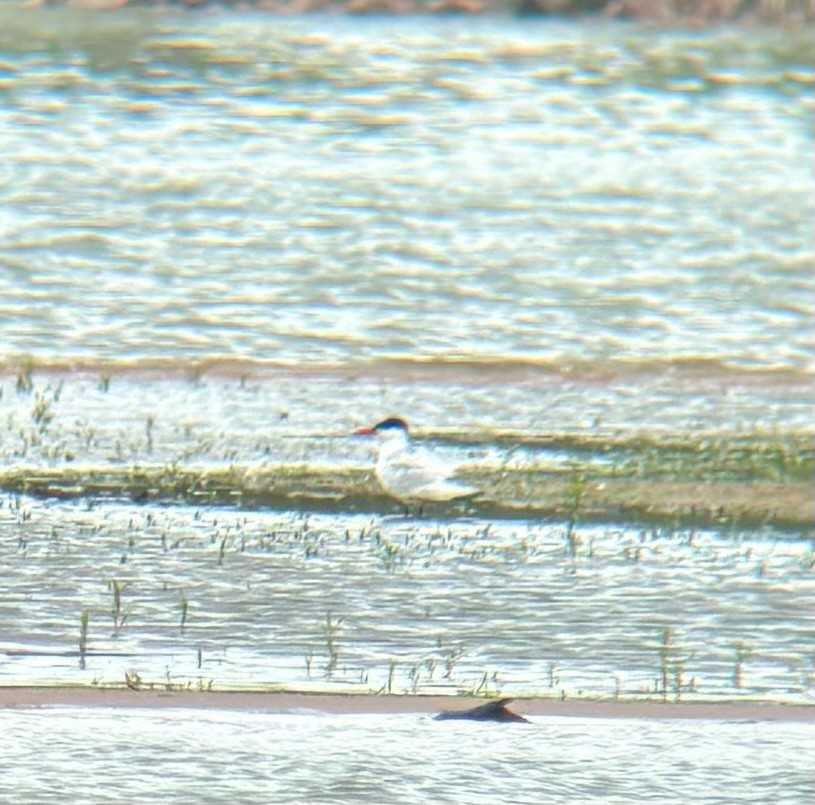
(363, 704)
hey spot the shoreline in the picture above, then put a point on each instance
(665, 14)
(292, 702)
(473, 371)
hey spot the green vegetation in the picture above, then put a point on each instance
(116, 588)
(765, 479)
(134, 681)
(444, 663)
(672, 665)
(84, 618)
(748, 477)
(742, 653)
(184, 606)
(670, 483)
(25, 381)
(576, 489)
(331, 630)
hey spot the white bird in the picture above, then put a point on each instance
(409, 475)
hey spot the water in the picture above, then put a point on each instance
(333, 192)
(185, 755)
(229, 239)
(401, 605)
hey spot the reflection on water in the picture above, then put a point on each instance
(523, 226)
(336, 191)
(179, 756)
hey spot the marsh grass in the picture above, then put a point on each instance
(664, 659)
(742, 652)
(390, 554)
(184, 606)
(770, 456)
(25, 377)
(417, 676)
(134, 681)
(331, 629)
(574, 500)
(449, 550)
(415, 679)
(451, 658)
(149, 425)
(784, 458)
(84, 619)
(42, 412)
(672, 665)
(116, 588)
(756, 480)
(490, 684)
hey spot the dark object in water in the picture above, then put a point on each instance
(491, 711)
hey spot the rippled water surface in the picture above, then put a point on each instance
(254, 234)
(178, 756)
(331, 191)
(401, 605)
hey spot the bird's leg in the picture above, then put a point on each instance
(418, 509)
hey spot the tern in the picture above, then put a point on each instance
(412, 476)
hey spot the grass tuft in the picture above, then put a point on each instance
(84, 619)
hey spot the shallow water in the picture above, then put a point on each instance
(179, 756)
(402, 605)
(505, 230)
(267, 415)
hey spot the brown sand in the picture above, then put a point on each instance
(287, 702)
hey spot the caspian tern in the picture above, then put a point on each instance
(410, 475)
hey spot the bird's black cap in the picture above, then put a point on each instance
(391, 423)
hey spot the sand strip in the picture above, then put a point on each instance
(287, 702)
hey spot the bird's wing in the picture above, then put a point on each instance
(421, 467)
(417, 474)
